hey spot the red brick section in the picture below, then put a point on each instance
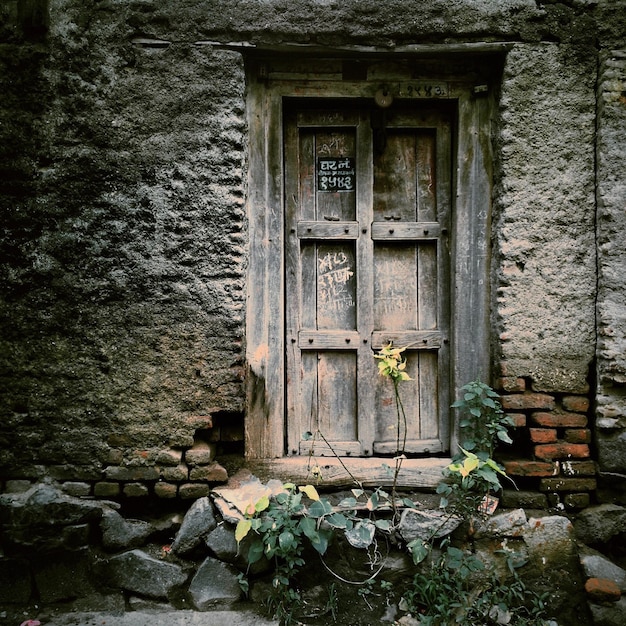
(602, 590)
(553, 451)
(536, 469)
(559, 420)
(543, 435)
(577, 435)
(557, 427)
(578, 404)
(518, 419)
(528, 401)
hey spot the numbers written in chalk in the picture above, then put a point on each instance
(336, 174)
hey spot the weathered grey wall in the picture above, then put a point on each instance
(611, 230)
(545, 215)
(123, 240)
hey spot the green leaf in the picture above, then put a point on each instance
(348, 503)
(255, 552)
(362, 535)
(383, 524)
(320, 543)
(286, 540)
(419, 550)
(307, 436)
(337, 520)
(504, 436)
(320, 508)
(408, 502)
(357, 492)
(308, 526)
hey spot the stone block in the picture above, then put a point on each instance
(136, 490)
(213, 473)
(214, 583)
(518, 419)
(165, 490)
(169, 457)
(578, 468)
(76, 489)
(513, 499)
(574, 501)
(17, 486)
(191, 491)
(511, 384)
(597, 524)
(202, 453)
(198, 522)
(119, 533)
(138, 572)
(178, 473)
(106, 490)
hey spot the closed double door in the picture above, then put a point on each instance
(367, 208)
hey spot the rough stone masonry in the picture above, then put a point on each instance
(124, 247)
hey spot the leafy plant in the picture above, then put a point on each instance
(279, 525)
(448, 592)
(473, 474)
(484, 422)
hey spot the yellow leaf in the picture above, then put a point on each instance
(310, 491)
(243, 528)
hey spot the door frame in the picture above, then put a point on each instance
(271, 80)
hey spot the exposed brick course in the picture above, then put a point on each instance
(518, 419)
(525, 467)
(543, 435)
(567, 484)
(520, 402)
(578, 404)
(559, 420)
(577, 435)
(578, 468)
(576, 500)
(552, 451)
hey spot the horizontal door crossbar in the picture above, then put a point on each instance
(333, 229)
(412, 339)
(395, 230)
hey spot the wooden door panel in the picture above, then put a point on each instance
(336, 287)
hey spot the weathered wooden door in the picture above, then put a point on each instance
(367, 197)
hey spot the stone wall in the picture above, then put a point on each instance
(124, 241)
